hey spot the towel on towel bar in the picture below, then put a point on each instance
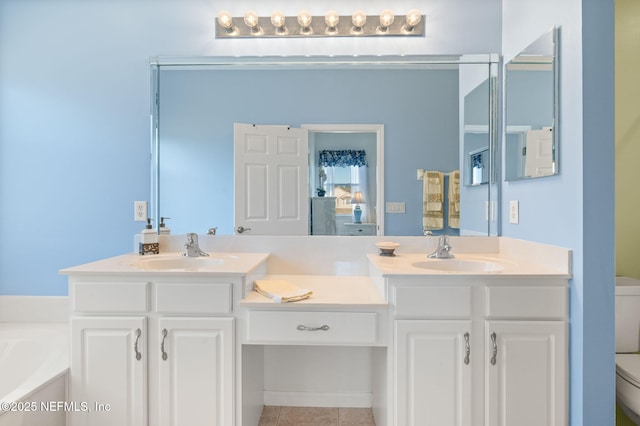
(281, 291)
(454, 199)
(433, 194)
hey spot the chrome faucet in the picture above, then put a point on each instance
(444, 249)
(192, 246)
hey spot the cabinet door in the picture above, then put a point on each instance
(526, 373)
(433, 373)
(108, 371)
(195, 372)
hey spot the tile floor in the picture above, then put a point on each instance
(316, 416)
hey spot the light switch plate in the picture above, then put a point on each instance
(395, 207)
(514, 213)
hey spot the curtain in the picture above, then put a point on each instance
(342, 158)
(368, 212)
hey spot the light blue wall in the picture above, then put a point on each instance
(575, 208)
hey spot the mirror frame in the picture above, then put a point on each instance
(491, 60)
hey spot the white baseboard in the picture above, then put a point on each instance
(34, 309)
(318, 399)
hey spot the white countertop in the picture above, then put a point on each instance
(497, 265)
(327, 290)
(239, 264)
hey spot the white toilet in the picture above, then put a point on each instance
(627, 346)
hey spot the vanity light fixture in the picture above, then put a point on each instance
(413, 19)
(332, 19)
(358, 19)
(279, 21)
(305, 19)
(225, 20)
(359, 24)
(252, 21)
(386, 19)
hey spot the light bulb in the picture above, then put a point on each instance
(386, 18)
(413, 18)
(304, 18)
(331, 19)
(278, 19)
(225, 20)
(251, 19)
(358, 19)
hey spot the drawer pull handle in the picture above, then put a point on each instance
(495, 348)
(164, 336)
(305, 328)
(135, 345)
(468, 348)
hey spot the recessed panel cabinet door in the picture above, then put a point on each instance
(433, 373)
(271, 180)
(526, 373)
(195, 372)
(108, 371)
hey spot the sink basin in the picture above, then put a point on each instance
(459, 265)
(178, 263)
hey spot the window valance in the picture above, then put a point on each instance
(342, 158)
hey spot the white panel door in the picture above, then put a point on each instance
(271, 179)
(108, 366)
(195, 372)
(539, 157)
(526, 373)
(433, 373)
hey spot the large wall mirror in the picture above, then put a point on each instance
(406, 115)
(531, 134)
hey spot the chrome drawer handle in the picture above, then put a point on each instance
(468, 348)
(135, 345)
(495, 348)
(305, 328)
(164, 336)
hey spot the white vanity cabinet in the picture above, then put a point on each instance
(479, 351)
(108, 377)
(158, 350)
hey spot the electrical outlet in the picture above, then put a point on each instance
(514, 214)
(140, 211)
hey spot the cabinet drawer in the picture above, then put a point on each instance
(524, 302)
(310, 328)
(361, 229)
(193, 298)
(432, 301)
(109, 297)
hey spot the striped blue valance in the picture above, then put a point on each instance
(342, 158)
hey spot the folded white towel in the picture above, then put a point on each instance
(281, 291)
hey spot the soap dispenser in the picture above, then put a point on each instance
(148, 240)
(163, 228)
